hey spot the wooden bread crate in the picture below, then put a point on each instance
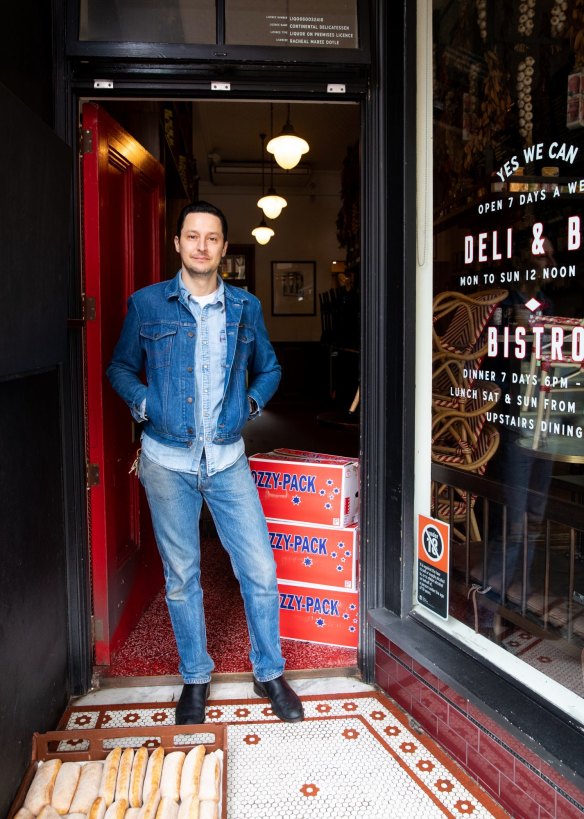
(84, 745)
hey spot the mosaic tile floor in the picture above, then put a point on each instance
(354, 756)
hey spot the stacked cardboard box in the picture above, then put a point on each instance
(311, 503)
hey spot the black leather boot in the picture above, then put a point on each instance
(190, 709)
(284, 701)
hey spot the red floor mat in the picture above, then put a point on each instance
(150, 649)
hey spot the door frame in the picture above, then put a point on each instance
(382, 524)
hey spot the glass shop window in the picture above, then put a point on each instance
(508, 325)
(148, 21)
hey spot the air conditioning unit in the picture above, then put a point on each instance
(249, 174)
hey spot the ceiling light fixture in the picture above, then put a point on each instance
(272, 203)
(287, 147)
(262, 233)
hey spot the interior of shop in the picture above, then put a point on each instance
(307, 277)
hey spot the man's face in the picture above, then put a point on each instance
(201, 245)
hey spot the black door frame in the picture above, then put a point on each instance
(386, 92)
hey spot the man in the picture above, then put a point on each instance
(202, 349)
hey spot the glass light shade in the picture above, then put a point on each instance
(272, 204)
(262, 233)
(287, 148)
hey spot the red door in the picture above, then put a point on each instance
(123, 234)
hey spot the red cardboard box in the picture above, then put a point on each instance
(326, 616)
(294, 488)
(316, 555)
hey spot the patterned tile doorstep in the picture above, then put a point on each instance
(353, 756)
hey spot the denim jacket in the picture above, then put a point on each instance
(158, 343)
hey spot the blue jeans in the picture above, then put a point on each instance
(175, 500)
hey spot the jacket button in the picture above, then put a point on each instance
(190, 334)
(189, 400)
(189, 369)
(191, 431)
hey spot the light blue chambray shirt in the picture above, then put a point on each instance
(210, 359)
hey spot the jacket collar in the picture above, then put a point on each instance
(233, 294)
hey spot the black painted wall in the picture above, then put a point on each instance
(35, 218)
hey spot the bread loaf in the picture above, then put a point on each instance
(49, 812)
(117, 809)
(88, 787)
(153, 773)
(132, 813)
(41, 788)
(124, 774)
(76, 816)
(24, 813)
(107, 788)
(191, 772)
(209, 787)
(65, 787)
(167, 809)
(171, 775)
(189, 808)
(150, 806)
(208, 809)
(98, 809)
(137, 777)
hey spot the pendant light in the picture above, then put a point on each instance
(262, 233)
(287, 147)
(271, 203)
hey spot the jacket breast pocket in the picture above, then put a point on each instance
(157, 340)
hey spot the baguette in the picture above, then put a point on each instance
(107, 788)
(137, 777)
(124, 774)
(77, 816)
(49, 812)
(98, 809)
(153, 773)
(208, 809)
(65, 787)
(87, 788)
(167, 809)
(210, 778)
(171, 775)
(189, 808)
(117, 809)
(41, 788)
(150, 806)
(132, 813)
(24, 813)
(191, 772)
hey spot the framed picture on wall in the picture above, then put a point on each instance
(293, 288)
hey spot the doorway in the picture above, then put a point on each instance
(213, 150)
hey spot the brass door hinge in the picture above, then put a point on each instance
(92, 477)
(89, 308)
(86, 142)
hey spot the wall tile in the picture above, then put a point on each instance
(454, 697)
(402, 656)
(497, 755)
(382, 639)
(453, 742)
(565, 809)
(517, 802)
(434, 703)
(534, 785)
(488, 774)
(427, 719)
(463, 726)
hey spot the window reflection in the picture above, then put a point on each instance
(508, 332)
(148, 21)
